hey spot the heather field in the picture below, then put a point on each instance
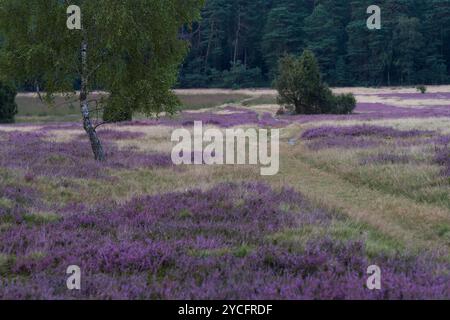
(370, 188)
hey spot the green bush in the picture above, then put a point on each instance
(422, 89)
(115, 112)
(8, 106)
(300, 87)
(344, 103)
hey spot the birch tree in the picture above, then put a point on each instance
(130, 49)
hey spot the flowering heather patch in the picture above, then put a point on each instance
(358, 131)
(235, 117)
(362, 136)
(239, 117)
(443, 140)
(377, 111)
(243, 117)
(368, 111)
(28, 151)
(405, 96)
(268, 121)
(221, 120)
(203, 245)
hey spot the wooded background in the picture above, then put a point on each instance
(238, 42)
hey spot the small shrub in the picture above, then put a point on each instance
(8, 106)
(300, 87)
(422, 89)
(344, 103)
(114, 112)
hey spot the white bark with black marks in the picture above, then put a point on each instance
(87, 124)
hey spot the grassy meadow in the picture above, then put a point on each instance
(353, 190)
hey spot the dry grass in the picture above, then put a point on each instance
(399, 217)
(208, 100)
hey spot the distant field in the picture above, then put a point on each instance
(31, 109)
(209, 100)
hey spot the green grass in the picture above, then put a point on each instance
(240, 252)
(443, 231)
(33, 110)
(339, 230)
(6, 261)
(39, 218)
(30, 106)
(419, 181)
(6, 204)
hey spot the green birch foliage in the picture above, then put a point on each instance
(134, 48)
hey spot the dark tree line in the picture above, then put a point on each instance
(238, 42)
